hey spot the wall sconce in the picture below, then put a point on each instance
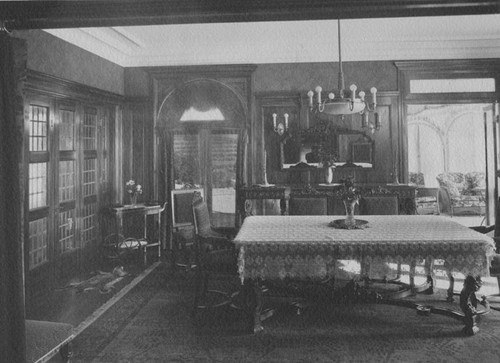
(280, 127)
(367, 124)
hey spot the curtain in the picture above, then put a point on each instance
(12, 70)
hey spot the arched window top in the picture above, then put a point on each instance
(192, 114)
(202, 101)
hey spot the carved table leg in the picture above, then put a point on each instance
(413, 265)
(429, 270)
(252, 293)
(365, 271)
(469, 302)
(451, 287)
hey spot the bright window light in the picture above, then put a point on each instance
(192, 114)
(459, 85)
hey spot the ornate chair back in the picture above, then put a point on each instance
(386, 204)
(300, 205)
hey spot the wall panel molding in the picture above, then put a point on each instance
(61, 88)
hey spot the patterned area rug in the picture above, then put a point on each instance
(153, 323)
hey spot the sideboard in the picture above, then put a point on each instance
(250, 197)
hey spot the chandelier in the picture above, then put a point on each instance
(342, 102)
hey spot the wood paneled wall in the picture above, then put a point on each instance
(138, 145)
(386, 145)
(273, 80)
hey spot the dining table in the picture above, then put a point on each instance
(308, 248)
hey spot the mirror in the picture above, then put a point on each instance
(295, 155)
(356, 148)
(341, 146)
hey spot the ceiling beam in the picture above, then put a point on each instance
(104, 13)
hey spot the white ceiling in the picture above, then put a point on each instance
(452, 37)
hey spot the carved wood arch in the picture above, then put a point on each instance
(202, 94)
(202, 89)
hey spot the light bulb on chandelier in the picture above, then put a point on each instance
(280, 127)
(340, 103)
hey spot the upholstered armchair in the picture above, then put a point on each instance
(463, 192)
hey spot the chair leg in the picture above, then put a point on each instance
(197, 288)
(201, 288)
(398, 271)
(206, 298)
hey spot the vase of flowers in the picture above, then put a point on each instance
(133, 190)
(328, 159)
(349, 195)
(350, 205)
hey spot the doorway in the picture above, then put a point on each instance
(207, 159)
(451, 147)
(205, 120)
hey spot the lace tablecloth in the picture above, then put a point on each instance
(276, 247)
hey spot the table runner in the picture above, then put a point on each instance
(276, 247)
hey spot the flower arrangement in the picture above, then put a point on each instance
(133, 190)
(328, 157)
(348, 191)
(350, 196)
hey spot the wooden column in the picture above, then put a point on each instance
(12, 70)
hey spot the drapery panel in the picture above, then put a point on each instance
(13, 58)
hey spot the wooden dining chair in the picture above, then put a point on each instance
(308, 201)
(385, 204)
(307, 206)
(182, 228)
(216, 259)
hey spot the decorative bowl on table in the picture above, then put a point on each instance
(341, 224)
